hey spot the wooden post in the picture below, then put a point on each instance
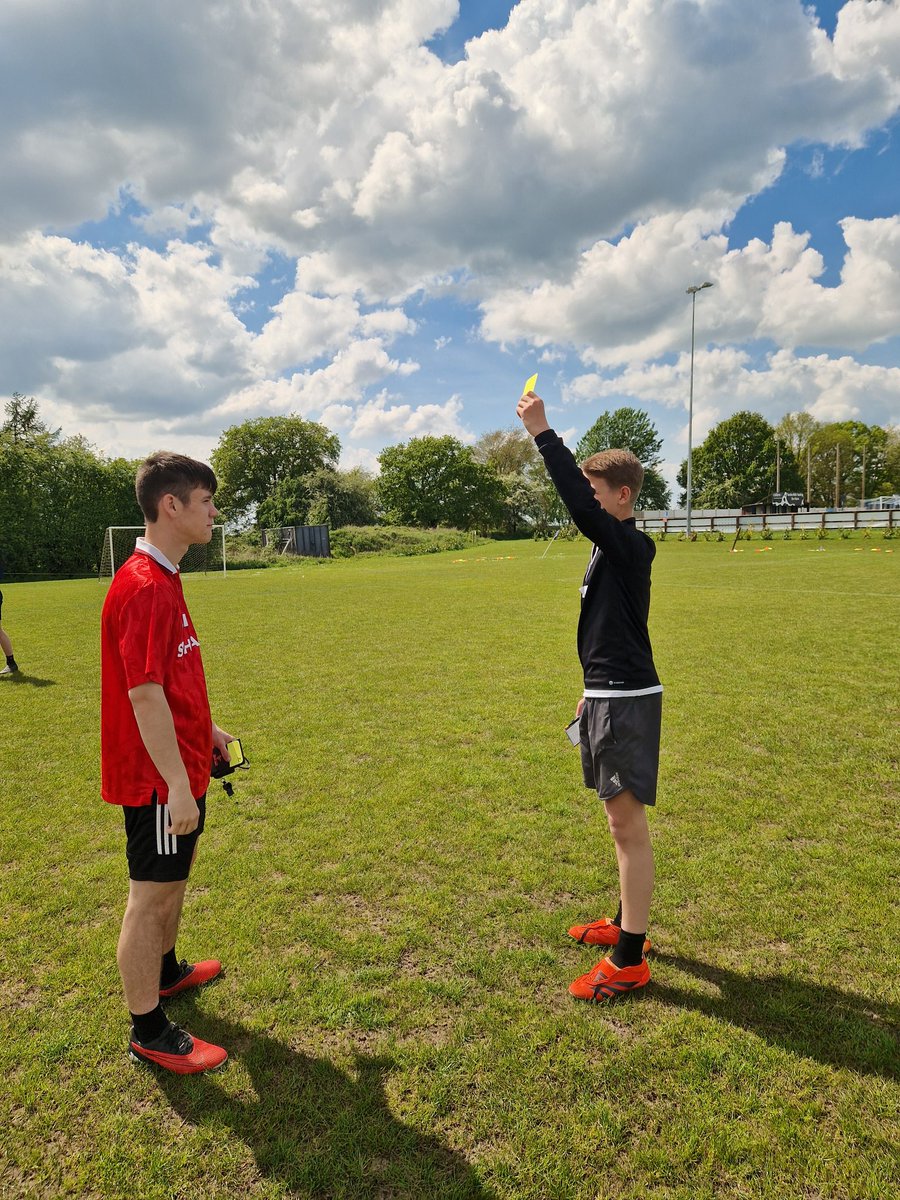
(862, 498)
(837, 476)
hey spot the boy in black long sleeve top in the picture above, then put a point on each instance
(620, 712)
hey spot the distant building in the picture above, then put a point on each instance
(778, 502)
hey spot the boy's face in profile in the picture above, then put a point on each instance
(195, 518)
(616, 500)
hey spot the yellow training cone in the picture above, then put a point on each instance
(529, 385)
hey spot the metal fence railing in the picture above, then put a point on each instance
(730, 521)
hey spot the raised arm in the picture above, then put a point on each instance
(589, 516)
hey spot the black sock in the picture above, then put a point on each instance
(11, 662)
(170, 969)
(617, 919)
(149, 1026)
(629, 949)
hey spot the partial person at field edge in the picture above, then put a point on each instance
(5, 644)
(157, 741)
(620, 711)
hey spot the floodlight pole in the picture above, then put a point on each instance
(692, 292)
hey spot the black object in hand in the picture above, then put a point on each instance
(237, 762)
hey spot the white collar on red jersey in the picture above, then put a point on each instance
(148, 548)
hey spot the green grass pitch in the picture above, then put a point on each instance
(391, 884)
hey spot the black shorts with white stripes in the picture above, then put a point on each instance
(154, 854)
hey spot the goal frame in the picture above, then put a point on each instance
(137, 530)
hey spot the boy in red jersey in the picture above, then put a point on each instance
(157, 740)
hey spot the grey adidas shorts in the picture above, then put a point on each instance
(620, 745)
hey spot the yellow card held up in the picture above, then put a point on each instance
(529, 386)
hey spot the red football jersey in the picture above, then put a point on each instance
(147, 636)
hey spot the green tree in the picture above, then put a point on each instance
(324, 497)
(867, 470)
(287, 504)
(23, 422)
(891, 485)
(735, 465)
(342, 498)
(630, 429)
(507, 451)
(839, 453)
(831, 459)
(796, 431)
(513, 456)
(432, 481)
(253, 458)
(57, 497)
(532, 504)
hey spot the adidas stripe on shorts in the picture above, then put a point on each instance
(620, 745)
(154, 854)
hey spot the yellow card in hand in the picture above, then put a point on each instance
(529, 386)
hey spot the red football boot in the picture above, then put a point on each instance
(175, 1050)
(192, 975)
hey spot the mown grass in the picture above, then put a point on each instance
(391, 884)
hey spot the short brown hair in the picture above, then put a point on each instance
(620, 468)
(163, 473)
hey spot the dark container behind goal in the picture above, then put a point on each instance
(310, 540)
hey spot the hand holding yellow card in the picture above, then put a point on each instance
(529, 386)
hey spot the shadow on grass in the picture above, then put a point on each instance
(314, 1128)
(842, 1029)
(20, 678)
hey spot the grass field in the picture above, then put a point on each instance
(390, 887)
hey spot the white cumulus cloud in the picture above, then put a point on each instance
(570, 176)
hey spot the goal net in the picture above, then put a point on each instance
(118, 544)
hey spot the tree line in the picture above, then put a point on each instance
(278, 471)
(837, 464)
(58, 495)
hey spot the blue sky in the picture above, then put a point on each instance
(386, 216)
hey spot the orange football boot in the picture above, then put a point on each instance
(607, 981)
(601, 933)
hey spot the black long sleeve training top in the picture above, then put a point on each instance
(613, 640)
